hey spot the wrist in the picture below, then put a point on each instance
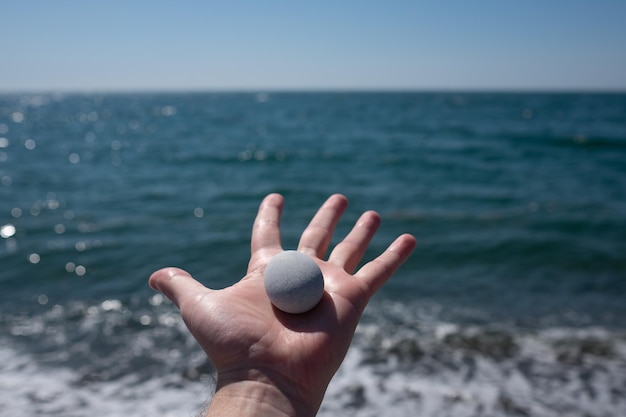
(257, 393)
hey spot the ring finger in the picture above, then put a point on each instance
(349, 252)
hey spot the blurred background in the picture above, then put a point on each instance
(138, 136)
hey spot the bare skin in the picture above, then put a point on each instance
(273, 363)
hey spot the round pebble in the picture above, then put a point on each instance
(293, 282)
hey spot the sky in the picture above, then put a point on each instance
(316, 45)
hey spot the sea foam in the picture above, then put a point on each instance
(404, 360)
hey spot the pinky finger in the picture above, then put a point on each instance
(376, 272)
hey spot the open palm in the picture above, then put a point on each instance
(246, 337)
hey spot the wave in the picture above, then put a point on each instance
(114, 358)
(435, 367)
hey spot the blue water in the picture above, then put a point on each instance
(518, 202)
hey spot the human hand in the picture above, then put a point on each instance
(273, 363)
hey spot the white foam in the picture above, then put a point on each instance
(534, 379)
(408, 363)
(27, 388)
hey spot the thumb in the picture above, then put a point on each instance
(177, 285)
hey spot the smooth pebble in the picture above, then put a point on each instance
(293, 282)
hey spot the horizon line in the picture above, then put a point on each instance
(339, 90)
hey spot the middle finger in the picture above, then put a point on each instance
(316, 237)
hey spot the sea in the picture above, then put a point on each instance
(513, 304)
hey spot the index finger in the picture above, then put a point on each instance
(266, 231)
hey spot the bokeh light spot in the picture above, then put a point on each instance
(17, 117)
(30, 144)
(7, 231)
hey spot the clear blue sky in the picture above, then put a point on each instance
(266, 45)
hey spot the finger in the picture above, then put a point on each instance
(177, 285)
(376, 272)
(349, 252)
(317, 235)
(266, 228)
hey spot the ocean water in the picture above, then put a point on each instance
(513, 303)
